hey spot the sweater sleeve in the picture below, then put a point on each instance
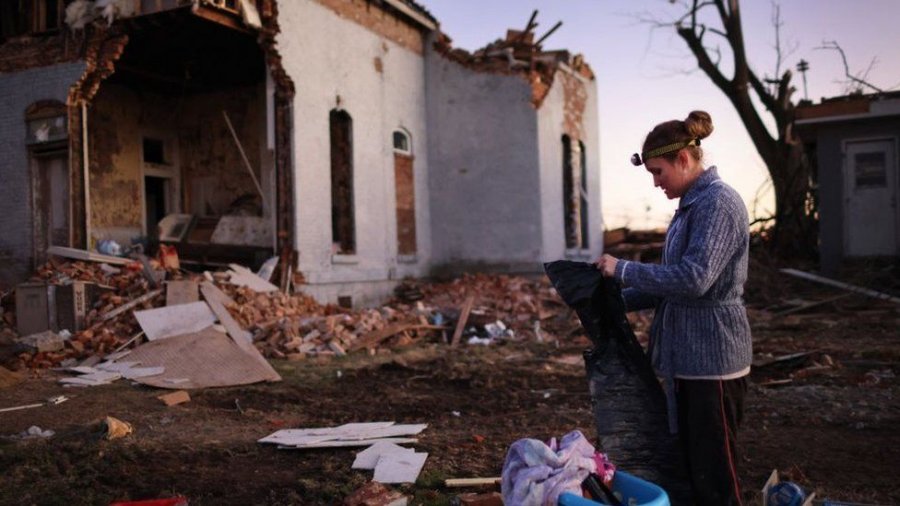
(636, 300)
(715, 235)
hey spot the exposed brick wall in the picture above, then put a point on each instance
(574, 102)
(21, 53)
(18, 91)
(383, 22)
(406, 204)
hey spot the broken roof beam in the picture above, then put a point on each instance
(222, 17)
(542, 39)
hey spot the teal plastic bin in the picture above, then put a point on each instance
(630, 487)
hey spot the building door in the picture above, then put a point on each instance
(156, 200)
(50, 187)
(870, 198)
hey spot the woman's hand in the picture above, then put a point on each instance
(607, 265)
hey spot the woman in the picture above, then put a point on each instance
(700, 338)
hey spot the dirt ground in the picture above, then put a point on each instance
(832, 428)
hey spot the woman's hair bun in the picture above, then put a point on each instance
(698, 124)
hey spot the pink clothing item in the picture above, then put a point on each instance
(535, 474)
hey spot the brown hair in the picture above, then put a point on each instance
(698, 125)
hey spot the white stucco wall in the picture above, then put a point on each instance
(484, 169)
(550, 132)
(327, 57)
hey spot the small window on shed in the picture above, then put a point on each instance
(871, 170)
(401, 141)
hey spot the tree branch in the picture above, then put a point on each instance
(833, 45)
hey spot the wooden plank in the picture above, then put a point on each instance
(215, 297)
(471, 482)
(129, 305)
(182, 292)
(375, 337)
(463, 318)
(90, 256)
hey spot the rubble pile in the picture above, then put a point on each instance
(637, 245)
(295, 326)
(518, 54)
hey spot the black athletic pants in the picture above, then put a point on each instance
(709, 414)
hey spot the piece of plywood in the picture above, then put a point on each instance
(182, 292)
(368, 458)
(171, 321)
(399, 467)
(203, 359)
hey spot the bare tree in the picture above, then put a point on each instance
(795, 230)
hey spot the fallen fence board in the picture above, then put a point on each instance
(171, 321)
(203, 359)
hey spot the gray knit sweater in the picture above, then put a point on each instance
(700, 327)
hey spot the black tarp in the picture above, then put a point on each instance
(628, 403)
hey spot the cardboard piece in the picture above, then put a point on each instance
(368, 458)
(182, 292)
(171, 321)
(200, 360)
(174, 398)
(399, 467)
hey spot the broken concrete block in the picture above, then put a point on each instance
(43, 341)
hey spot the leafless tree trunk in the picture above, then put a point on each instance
(795, 229)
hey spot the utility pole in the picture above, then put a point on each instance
(803, 66)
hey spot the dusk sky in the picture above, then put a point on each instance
(642, 79)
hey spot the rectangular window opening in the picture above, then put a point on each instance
(343, 226)
(154, 151)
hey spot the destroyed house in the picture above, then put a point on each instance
(347, 136)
